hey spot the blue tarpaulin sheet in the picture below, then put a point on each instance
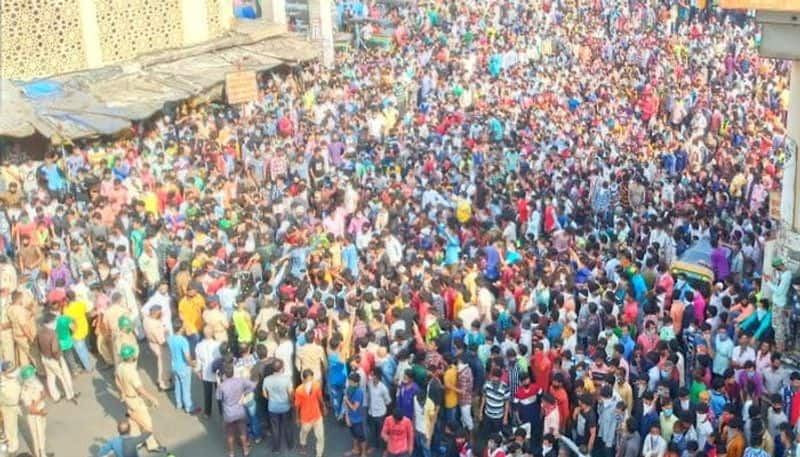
(41, 89)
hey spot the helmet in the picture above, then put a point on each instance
(127, 352)
(124, 323)
(27, 372)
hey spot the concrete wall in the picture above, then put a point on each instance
(39, 38)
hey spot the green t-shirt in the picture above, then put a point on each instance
(137, 237)
(243, 330)
(468, 37)
(695, 390)
(64, 332)
(419, 374)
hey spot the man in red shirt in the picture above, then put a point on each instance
(562, 400)
(310, 410)
(399, 435)
(542, 367)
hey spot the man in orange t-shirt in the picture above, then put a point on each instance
(310, 409)
(399, 435)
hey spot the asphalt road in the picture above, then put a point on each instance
(79, 430)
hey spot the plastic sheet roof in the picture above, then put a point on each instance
(105, 101)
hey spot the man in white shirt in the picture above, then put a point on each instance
(742, 353)
(377, 400)
(227, 295)
(394, 249)
(206, 352)
(654, 445)
(285, 352)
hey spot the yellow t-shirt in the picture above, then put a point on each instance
(76, 311)
(96, 157)
(784, 98)
(200, 260)
(191, 313)
(309, 99)
(450, 396)
(150, 203)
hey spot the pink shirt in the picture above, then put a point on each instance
(398, 434)
(699, 304)
(334, 223)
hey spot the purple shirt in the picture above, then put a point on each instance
(60, 272)
(336, 149)
(230, 392)
(758, 382)
(719, 263)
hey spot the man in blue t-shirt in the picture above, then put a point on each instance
(492, 269)
(182, 363)
(124, 445)
(53, 175)
(353, 401)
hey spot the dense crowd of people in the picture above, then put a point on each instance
(461, 242)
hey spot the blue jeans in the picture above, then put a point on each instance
(182, 379)
(254, 427)
(450, 415)
(83, 354)
(421, 448)
(336, 394)
(193, 340)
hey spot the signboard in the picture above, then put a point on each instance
(241, 87)
(763, 5)
(775, 205)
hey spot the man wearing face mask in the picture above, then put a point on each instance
(667, 421)
(723, 350)
(624, 390)
(654, 443)
(702, 425)
(749, 375)
(775, 414)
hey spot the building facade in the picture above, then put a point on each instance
(39, 38)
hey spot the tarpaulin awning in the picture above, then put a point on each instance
(106, 101)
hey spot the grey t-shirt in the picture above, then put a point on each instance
(277, 386)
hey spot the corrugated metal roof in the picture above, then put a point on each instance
(107, 100)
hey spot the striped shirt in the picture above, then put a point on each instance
(514, 376)
(497, 395)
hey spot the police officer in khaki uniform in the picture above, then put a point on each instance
(32, 397)
(134, 395)
(156, 334)
(8, 284)
(10, 391)
(125, 337)
(23, 328)
(7, 351)
(108, 327)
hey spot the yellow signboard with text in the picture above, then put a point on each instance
(241, 87)
(762, 5)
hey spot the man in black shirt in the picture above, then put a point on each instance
(585, 423)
